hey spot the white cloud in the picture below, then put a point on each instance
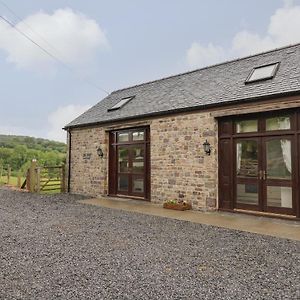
(198, 55)
(284, 25)
(245, 43)
(283, 29)
(61, 117)
(74, 36)
(288, 3)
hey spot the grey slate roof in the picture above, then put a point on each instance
(215, 85)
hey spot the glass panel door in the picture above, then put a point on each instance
(138, 159)
(131, 169)
(278, 174)
(129, 156)
(264, 174)
(247, 174)
(138, 169)
(123, 169)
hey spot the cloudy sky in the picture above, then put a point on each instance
(57, 58)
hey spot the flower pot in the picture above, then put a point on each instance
(177, 206)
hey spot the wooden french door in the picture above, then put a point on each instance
(247, 174)
(259, 162)
(129, 163)
(264, 174)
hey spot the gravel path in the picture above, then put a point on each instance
(52, 247)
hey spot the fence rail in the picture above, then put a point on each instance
(38, 179)
(5, 172)
(46, 179)
(10, 177)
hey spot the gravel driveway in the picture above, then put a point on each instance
(52, 247)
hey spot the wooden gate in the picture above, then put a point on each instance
(46, 179)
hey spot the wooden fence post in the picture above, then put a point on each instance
(8, 173)
(63, 179)
(19, 181)
(38, 179)
(1, 172)
(32, 176)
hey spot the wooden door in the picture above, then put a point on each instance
(129, 163)
(259, 162)
(264, 177)
(278, 175)
(248, 158)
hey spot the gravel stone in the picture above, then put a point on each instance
(52, 247)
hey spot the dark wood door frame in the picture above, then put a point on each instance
(246, 180)
(262, 181)
(114, 145)
(227, 138)
(279, 182)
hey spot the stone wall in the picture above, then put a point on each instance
(179, 167)
(88, 170)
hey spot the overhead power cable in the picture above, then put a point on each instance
(29, 27)
(12, 25)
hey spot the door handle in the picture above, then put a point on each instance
(264, 175)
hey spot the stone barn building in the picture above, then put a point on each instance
(223, 137)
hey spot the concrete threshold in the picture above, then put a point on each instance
(262, 225)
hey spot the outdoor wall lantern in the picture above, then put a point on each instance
(207, 147)
(100, 152)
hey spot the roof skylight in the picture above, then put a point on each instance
(121, 103)
(262, 73)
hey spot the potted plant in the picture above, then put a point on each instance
(177, 205)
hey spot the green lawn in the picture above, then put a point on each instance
(46, 190)
(12, 181)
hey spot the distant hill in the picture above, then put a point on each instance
(11, 141)
(18, 151)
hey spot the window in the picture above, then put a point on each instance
(138, 136)
(121, 103)
(244, 126)
(278, 123)
(123, 137)
(131, 135)
(262, 73)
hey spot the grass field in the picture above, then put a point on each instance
(12, 181)
(46, 190)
